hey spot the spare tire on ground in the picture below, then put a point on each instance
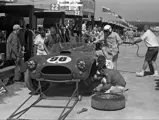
(108, 101)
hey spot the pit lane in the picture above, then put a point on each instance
(142, 100)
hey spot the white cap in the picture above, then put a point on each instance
(16, 27)
(107, 27)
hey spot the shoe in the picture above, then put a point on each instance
(157, 88)
(155, 74)
(139, 74)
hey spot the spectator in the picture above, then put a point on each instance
(130, 34)
(28, 43)
(52, 41)
(39, 43)
(100, 37)
(84, 27)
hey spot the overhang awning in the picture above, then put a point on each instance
(73, 16)
(19, 10)
(49, 14)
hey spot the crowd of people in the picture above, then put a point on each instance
(48, 41)
(45, 41)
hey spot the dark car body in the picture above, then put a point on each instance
(64, 65)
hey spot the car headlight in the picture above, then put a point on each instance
(81, 64)
(32, 65)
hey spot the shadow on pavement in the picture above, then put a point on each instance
(124, 71)
(157, 84)
(66, 90)
(147, 73)
(13, 89)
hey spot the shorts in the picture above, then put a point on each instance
(151, 54)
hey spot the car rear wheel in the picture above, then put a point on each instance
(108, 101)
(32, 84)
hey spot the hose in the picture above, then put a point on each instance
(138, 48)
(137, 52)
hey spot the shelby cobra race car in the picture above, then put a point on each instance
(66, 65)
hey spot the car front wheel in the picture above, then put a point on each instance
(32, 84)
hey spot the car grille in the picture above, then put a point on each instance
(56, 70)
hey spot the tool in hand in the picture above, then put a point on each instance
(83, 110)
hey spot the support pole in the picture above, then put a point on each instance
(31, 26)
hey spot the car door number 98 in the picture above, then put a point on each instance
(59, 59)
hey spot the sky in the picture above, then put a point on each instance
(145, 10)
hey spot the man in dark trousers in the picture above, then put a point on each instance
(13, 51)
(28, 43)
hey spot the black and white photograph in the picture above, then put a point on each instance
(79, 59)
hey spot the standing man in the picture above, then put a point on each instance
(84, 27)
(111, 44)
(130, 35)
(28, 43)
(52, 41)
(13, 51)
(39, 43)
(151, 42)
(100, 37)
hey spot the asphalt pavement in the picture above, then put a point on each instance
(142, 97)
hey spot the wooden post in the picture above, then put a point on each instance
(63, 18)
(92, 21)
(80, 25)
(31, 26)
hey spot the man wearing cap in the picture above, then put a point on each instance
(111, 44)
(13, 50)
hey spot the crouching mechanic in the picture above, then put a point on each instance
(151, 42)
(112, 81)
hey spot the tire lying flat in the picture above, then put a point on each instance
(108, 101)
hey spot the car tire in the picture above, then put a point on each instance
(101, 102)
(32, 84)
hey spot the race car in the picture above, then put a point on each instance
(71, 64)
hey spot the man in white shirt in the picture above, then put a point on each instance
(84, 27)
(39, 42)
(151, 42)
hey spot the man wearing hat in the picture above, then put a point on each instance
(111, 44)
(13, 50)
